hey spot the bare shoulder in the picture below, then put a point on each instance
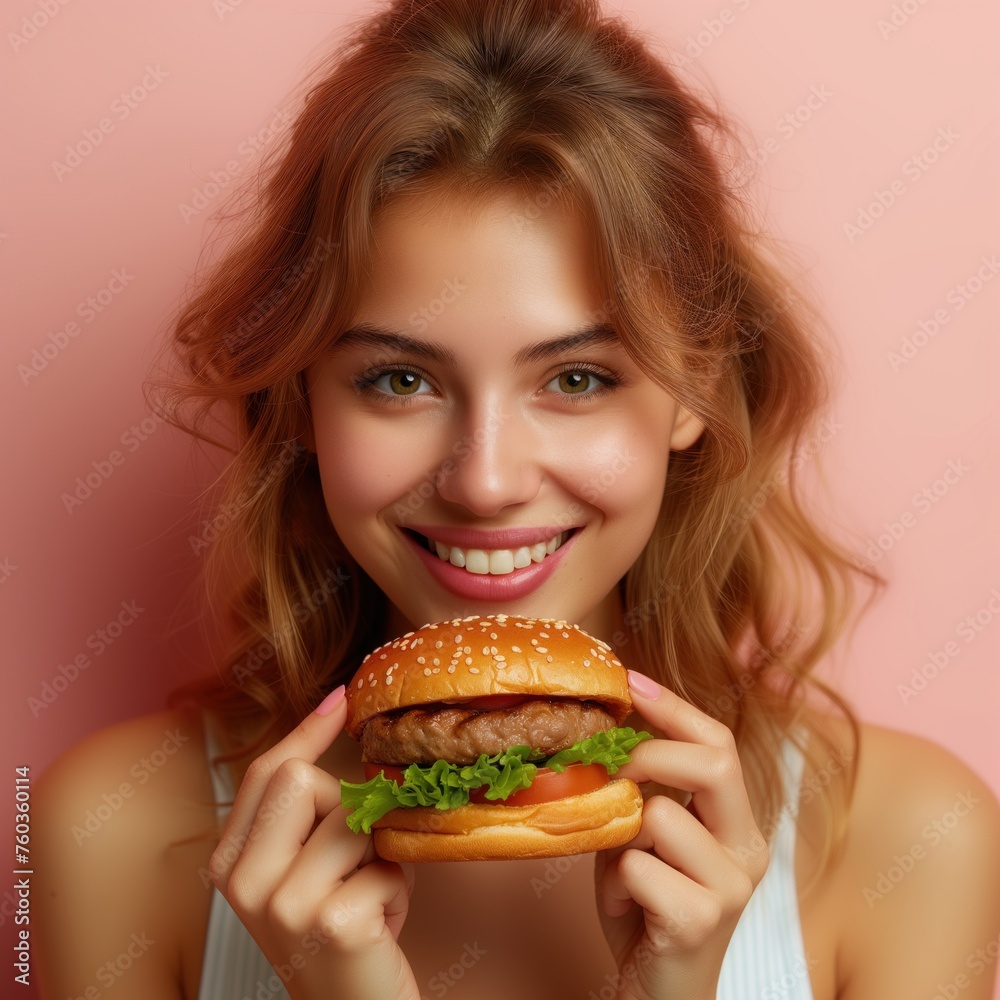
(917, 883)
(120, 823)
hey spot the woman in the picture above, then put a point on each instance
(497, 281)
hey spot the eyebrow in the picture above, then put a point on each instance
(373, 335)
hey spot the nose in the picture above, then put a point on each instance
(494, 461)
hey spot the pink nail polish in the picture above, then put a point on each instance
(331, 701)
(641, 684)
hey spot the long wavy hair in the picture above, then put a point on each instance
(567, 105)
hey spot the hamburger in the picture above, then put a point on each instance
(492, 738)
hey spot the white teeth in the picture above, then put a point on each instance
(496, 562)
(477, 561)
(501, 562)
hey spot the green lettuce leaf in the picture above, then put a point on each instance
(447, 786)
(610, 748)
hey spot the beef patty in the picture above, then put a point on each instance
(459, 735)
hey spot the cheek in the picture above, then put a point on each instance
(622, 470)
(364, 465)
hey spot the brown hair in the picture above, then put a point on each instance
(562, 101)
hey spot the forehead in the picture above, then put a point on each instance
(511, 258)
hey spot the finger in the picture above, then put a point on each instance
(676, 718)
(713, 776)
(377, 893)
(679, 840)
(675, 909)
(307, 741)
(329, 857)
(297, 798)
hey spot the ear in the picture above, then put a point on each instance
(687, 429)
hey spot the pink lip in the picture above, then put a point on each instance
(498, 538)
(476, 587)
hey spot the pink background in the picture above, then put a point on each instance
(880, 97)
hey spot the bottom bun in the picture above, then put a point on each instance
(594, 821)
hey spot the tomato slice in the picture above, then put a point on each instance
(548, 785)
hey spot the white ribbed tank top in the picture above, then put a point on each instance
(766, 958)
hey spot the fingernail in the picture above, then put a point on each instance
(331, 701)
(641, 684)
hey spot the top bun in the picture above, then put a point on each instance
(486, 655)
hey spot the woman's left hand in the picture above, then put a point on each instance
(670, 898)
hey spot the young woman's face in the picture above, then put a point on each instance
(485, 444)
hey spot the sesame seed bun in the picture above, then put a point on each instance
(477, 656)
(594, 821)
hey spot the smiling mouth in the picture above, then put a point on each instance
(493, 562)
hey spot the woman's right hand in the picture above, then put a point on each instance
(324, 909)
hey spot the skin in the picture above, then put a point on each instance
(667, 903)
(534, 452)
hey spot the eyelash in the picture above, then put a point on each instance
(608, 381)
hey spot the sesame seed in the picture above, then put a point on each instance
(421, 659)
(371, 677)
(438, 644)
(451, 669)
(586, 663)
(468, 660)
(473, 670)
(382, 656)
(548, 659)
(542, 649)
(486, 650)
(516, 649)
(565, 635)
(544, 635)
(427, 671)
(493, 635)
(458, 638)
(435, 661)
(406, 635)
(534, 642)
(388, 678)
(466, 649)
(361, 682)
